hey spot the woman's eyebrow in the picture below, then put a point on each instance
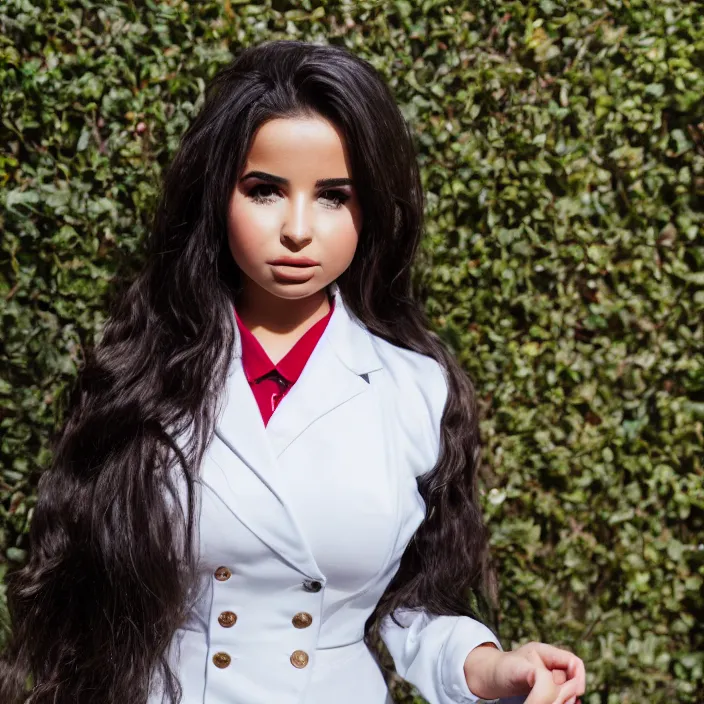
(281, 181)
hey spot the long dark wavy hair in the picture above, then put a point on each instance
(112, 553)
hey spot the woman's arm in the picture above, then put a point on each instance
(451, 660)
(430, 652)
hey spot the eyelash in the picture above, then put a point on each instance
(340, 197)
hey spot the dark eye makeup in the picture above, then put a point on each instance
(262, 192)
(265, 193)
(338, 197)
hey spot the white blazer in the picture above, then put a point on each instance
(302, 525)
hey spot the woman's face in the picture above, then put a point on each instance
(294, 216)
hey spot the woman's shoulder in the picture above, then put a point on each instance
(409, 362)
(416, 389)
(414, 374)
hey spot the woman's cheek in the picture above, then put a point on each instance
(341, 238)
(255, 221)
(248, 229)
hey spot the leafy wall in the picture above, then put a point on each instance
(562, 150)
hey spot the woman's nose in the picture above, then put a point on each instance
(296, 230)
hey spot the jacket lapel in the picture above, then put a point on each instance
(241, 470)
(335, 373)
(248, 481)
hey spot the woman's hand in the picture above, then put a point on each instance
(548, 675)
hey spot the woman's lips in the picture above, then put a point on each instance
(293, 261)
(292, 272)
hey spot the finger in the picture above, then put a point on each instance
(577, 672)
(559, 676)
(544, 690)
(567, 692)
(557, 658)
(554, 657)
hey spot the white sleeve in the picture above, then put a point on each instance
(430, 653)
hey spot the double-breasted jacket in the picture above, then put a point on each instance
(301, 526)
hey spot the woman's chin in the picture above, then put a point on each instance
(295, 289)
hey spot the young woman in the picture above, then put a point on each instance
(270, 460)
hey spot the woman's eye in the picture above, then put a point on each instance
(336, 198)
(267, 193)
(263, 193)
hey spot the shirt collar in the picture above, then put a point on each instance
(257, 363)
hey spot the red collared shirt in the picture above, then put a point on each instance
(271, 382)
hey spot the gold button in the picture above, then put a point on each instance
(299, 658)
(227, 619)
(222, 574)
(221, 660)
(302, 620)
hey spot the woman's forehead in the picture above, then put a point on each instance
(299, 148)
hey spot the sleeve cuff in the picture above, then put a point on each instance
(466, 635)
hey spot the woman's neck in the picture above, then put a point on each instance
(276, 322)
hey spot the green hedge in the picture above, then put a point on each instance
(562, 150)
